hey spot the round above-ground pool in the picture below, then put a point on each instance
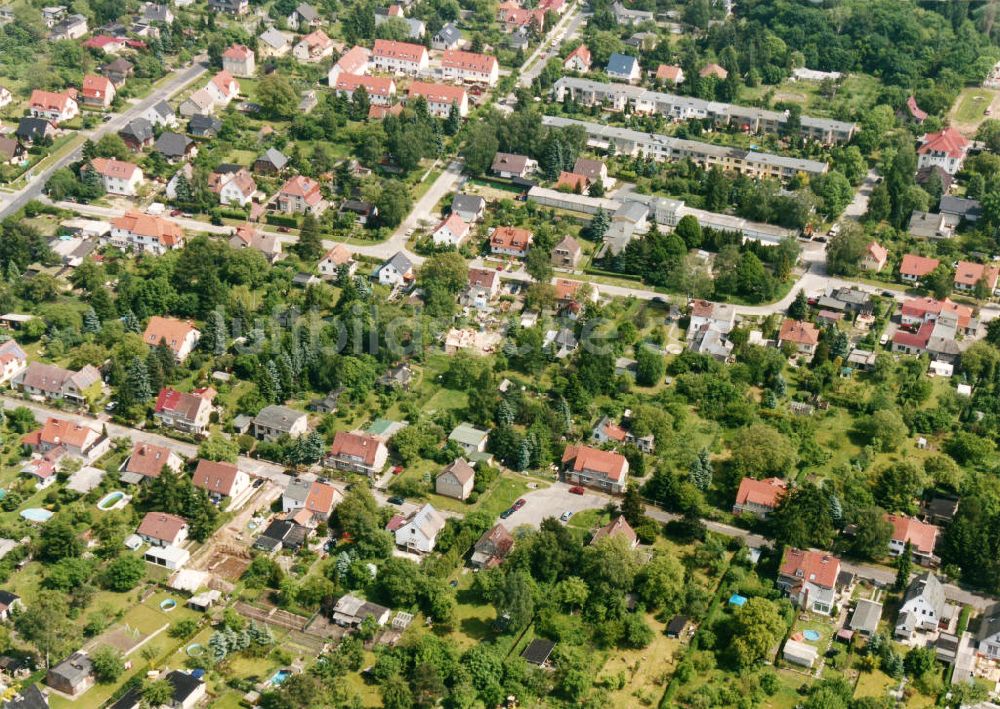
(195, 650)
(36, 514)
(113, 501)
(810, 635)
(168, 604)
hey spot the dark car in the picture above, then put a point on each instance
(258, 482)
(888, 294)
(284, 229)
(396, 500)
(507, 513)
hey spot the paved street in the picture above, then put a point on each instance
(10, 203)
(566, 28)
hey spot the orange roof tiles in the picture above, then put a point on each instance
(917, 266)
(920, 535)
(765, 493)
(611, 464)
(815, 567)
(799, 332)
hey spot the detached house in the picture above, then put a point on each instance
(248, 236)
(968, 275)
(314, 47)
(223, 88)
(566, 254)
(230, 7)
(670, 74)
(357, 453)
(578, 60)
(508, 165)
(399, 57)
(354, 61)
(54, 107)
(618, 527)
(914, 268)
(98, 91)
(329, 266)
(162, 529)
(275, 421)
(419, 531)
(923, 606)
(450, 232)
(988, 637)
(189, 413)
(137, 134)
(605, 470)
(145, 232)
(396, 271)
(300, 195)
(50, 383)
(161, 114)
(220, 480)
(13, 360)
(179, 335)
(921, 536)
(303, 16)
(759, 497)
(456, 480)
(448, 37)
(310, 502)
(622, 67)
(510, 241)
(68, 437)
(484, 284)
(469, 207)
(470, 439)
(239, 60)
(810, 579)
(147, 461)
(875, 257)
(119, 177)
(492, 548)
(946, 149)
(273, 43)
(804, 335)
(200, 103)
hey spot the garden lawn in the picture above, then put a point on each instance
(874, 684)
(972, 103)
(647, 671)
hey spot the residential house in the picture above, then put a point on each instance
(67, 437)
(337, 257)
(718, 316)
(189, 413)
(161, 114)
(11, 150)
(34, 130)
(962, 207)
(248, 236)
(188, 690)
(940, 509)
(510, 241)
(803, 335)
(119, 177)
(450, 232)
(363, 212)
(175, 146)
(399, 376)
(239, 60)
(492, 548)
(162, 529)
(282, 534)
(622, 67)
(578, 60)
(914, 268)
(567, 253)
(759, 497)
(147, 461)
(357, 453)
(179, 335)
(923, 606)
(275, 421)
(223, 88)
(119, 71)
(470, 439)
(417, 532)
(921, 536)
(509, 166)
(233, 184)
(204, 126)
(220, 480)
(137, 134)
(875, 257)
(593, 170)
(73, 676)
(300, 195)
(151, 12)
(441, 99)
(9, 602)
(519, 21)
(618, 527)
(304, 16)
(73, 27)
(483, 286)
(605, 470)
(415, 29)
(97, 91)
(230, 7)
(106, 43)
(912, 111)
(399, 57)
(946, 148)
(309, 503)
(13, 360)
(200, 103)
(396, 271)
(448, 37)
(969, 275)
(354, 61)
(926, 225)
(469, 207)
(713, 70)
(271, 162)
(51, 383)
(52, 14)
(470, 67)
(988, 637)
(810, 579)
(54, 107)
(572, 182)
(865, 619)
(456, 480)
(350, 611)
(145, 232)
(314, 47)
(670, 74)
(629, 17)
(273, 43)
(381, 90)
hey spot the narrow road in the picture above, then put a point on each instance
(10, 203)
(565, 28)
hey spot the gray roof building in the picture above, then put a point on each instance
(968, 209)
(204, 126)
(173, 145)
(448, 36)
(622, 64)
(866, 617)
(279, 418)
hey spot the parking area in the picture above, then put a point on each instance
(552, 502)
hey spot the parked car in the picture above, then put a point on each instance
(396, 500)
(397, 469)
(577, 490)
(507, 513)
(519, 504)
(566, 515)
(284, 229)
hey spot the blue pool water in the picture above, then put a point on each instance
(36, 514)
(110, 500)
(280, 676)
(811, 635)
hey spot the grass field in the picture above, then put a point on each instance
(646, 671)
(971, 105)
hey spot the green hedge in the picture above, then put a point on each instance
(282, 220)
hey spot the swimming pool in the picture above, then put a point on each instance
(168, 604)
(280, 676)
(810, 635)
(113, 501)
(36, 514)
(195, 650)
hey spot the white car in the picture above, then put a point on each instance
(566, 515)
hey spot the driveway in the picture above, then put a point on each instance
(552, 502)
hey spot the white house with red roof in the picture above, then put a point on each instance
(381, 89)
(913, 268)
(358, 453)
(354, 61)
(921, 536)
(875, 257)
(510, 241)
(220, 480)
(180, 335)
(450, 232)
(237, 188)
(759, 497)
(163, 529)
(618, 527)
(418, 531)
(73, 438)
(119, 177)
(810, 579)
(578, 60)
(106, 43)
(605, 470)
(97, 91)
(947, 149)
(300, 195)
(470, 67)
(147, 461)
(145, 233)
(239, 60)
(399, 57)
(314, 47)
(514, 17)
(339, 255)
(804, 335)
(190, 413)
(55, 107)
(969, 273)
(670, 74)
(223, 88)
(13, 360)
(484, 284)
(441, 98)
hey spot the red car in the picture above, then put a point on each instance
(519, 504)
(576, 490)
(397, 470)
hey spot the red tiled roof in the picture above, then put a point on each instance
(304, 187)
(215, 477)
(398, 50)
(566, 290)
(321, 497)
(174, 331)
(147, 459)
(573, 181)
(62, 432)
(713, 70)
(354, 60)
(765, 493)
(619, 526)
(878, 252)
(668, 72)
(224, 82)
(161, 526)
(437, 93)
(816, 567)
(799, 332)
(110, 167)
(97, 86)
(374, 85)
(165, 231)
(455, 224)
(102, 40)
(468, 61)
(180, 403)
(48, 100)
(338, 255)
(317, 39)
(968, 273)
(948, 141)
(356, 445)
(609, 463)
(914, 109)
(239, 52)
(482, 277)
(918, 339)
(917, 266)
(582, 52)
(702, 309)
(510, 237)
(921, 535)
